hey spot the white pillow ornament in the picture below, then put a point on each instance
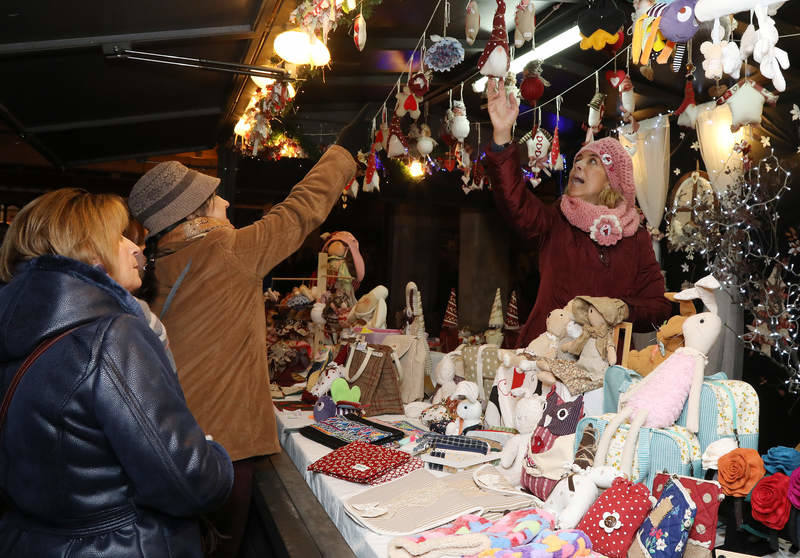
(495, 59)
(746, 101)
(473, 21)
(360, 32)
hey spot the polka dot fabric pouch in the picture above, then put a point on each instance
(615, 517)
(706, 496)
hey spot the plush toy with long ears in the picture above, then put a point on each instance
(527, 414)
(658, 400)
(495, 59)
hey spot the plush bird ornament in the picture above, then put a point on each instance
(525, 22)
(532, 87)
(473, 21)
(425, 143)
(600, 25)
(459, 125)
(495, 59)
(407, 103)
(360, 32)
(397, 143)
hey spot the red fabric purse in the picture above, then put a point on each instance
(615, 517)
(359, 462)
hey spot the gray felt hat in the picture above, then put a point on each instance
(168, 193)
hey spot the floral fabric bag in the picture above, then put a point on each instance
(665, 531)
(612, 521)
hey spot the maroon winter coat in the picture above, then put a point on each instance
(570, 263)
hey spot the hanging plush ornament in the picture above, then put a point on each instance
(628, 99)
(533, 84)
(398, 144)
(762, 45)
(382, 135)
(600, 25)
(712, 51)
(555, 162)
(445, 54)
(459, 125)
(495, 59)
(746, 100)
(419, 83)
(664, 28)
(594, 123)
(473, 21)
(525, 22)
(360, 31)
(372, 180)
(407, 102)
(538, 149)
(425, 143)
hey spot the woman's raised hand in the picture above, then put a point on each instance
(503, 110)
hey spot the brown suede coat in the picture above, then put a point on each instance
(216, 321)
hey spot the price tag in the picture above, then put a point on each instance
(361, 346)
(360, 467)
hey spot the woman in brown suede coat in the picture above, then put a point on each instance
(208, 290)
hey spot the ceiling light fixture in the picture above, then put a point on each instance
(298, 47)
(544, 51)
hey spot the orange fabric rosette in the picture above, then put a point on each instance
(739, 471)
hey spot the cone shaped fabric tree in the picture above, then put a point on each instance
(448, 337)
(496, 316)
(495, 58)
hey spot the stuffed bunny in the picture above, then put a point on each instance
(574, 495)
(658, 400)
(469, 409)
(450, 367)
(370, 311)
(527, 413)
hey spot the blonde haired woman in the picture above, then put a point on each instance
(99, 455)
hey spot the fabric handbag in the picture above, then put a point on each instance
(372, 369)
(706, 496)
(412, 358)
(615, 517)
(359, 462)
(338, 431)
(665, 531)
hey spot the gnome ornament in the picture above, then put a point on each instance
(595, 121)
(511, 323)
(448, 336)
(524, 22)
(360, 32)
(372, 180)
(533, 84)
(495, 59)
(494, 335)
(398, 144)
(554, 162)
(407, 103)
(473, 21)
(687, 112)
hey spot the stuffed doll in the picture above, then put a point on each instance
(370, 311)
(527, 414)
(669, 338)
(658, 400)
(595, 346)
(345, 264)
(448, 372)
(469, 409)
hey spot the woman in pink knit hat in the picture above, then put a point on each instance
(591, 243)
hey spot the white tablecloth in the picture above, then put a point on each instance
(331, 492)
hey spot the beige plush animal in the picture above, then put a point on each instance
(669, 338)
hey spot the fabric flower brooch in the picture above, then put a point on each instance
(606, 230)
(739, 471)
(610, 522)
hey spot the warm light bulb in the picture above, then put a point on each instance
(290, 91)
(241, 128)
(298, 47)
(416, 170)
(320, 55)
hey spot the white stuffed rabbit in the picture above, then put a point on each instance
(574, 495)
(527, 413)
(658, 400)
(469, 409)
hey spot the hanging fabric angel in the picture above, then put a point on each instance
(495, 59)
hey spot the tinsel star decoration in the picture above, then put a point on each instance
(738, 237)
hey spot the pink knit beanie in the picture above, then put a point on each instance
(618, 164)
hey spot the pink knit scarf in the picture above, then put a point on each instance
(606, 226)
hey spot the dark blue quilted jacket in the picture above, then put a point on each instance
(99, 453)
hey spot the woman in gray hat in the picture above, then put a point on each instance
(208, 292)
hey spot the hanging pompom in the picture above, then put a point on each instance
(445, 54)
(533, 84)
(360, 32)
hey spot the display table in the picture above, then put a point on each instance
(331, 492)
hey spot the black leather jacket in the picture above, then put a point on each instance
(99, 452)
